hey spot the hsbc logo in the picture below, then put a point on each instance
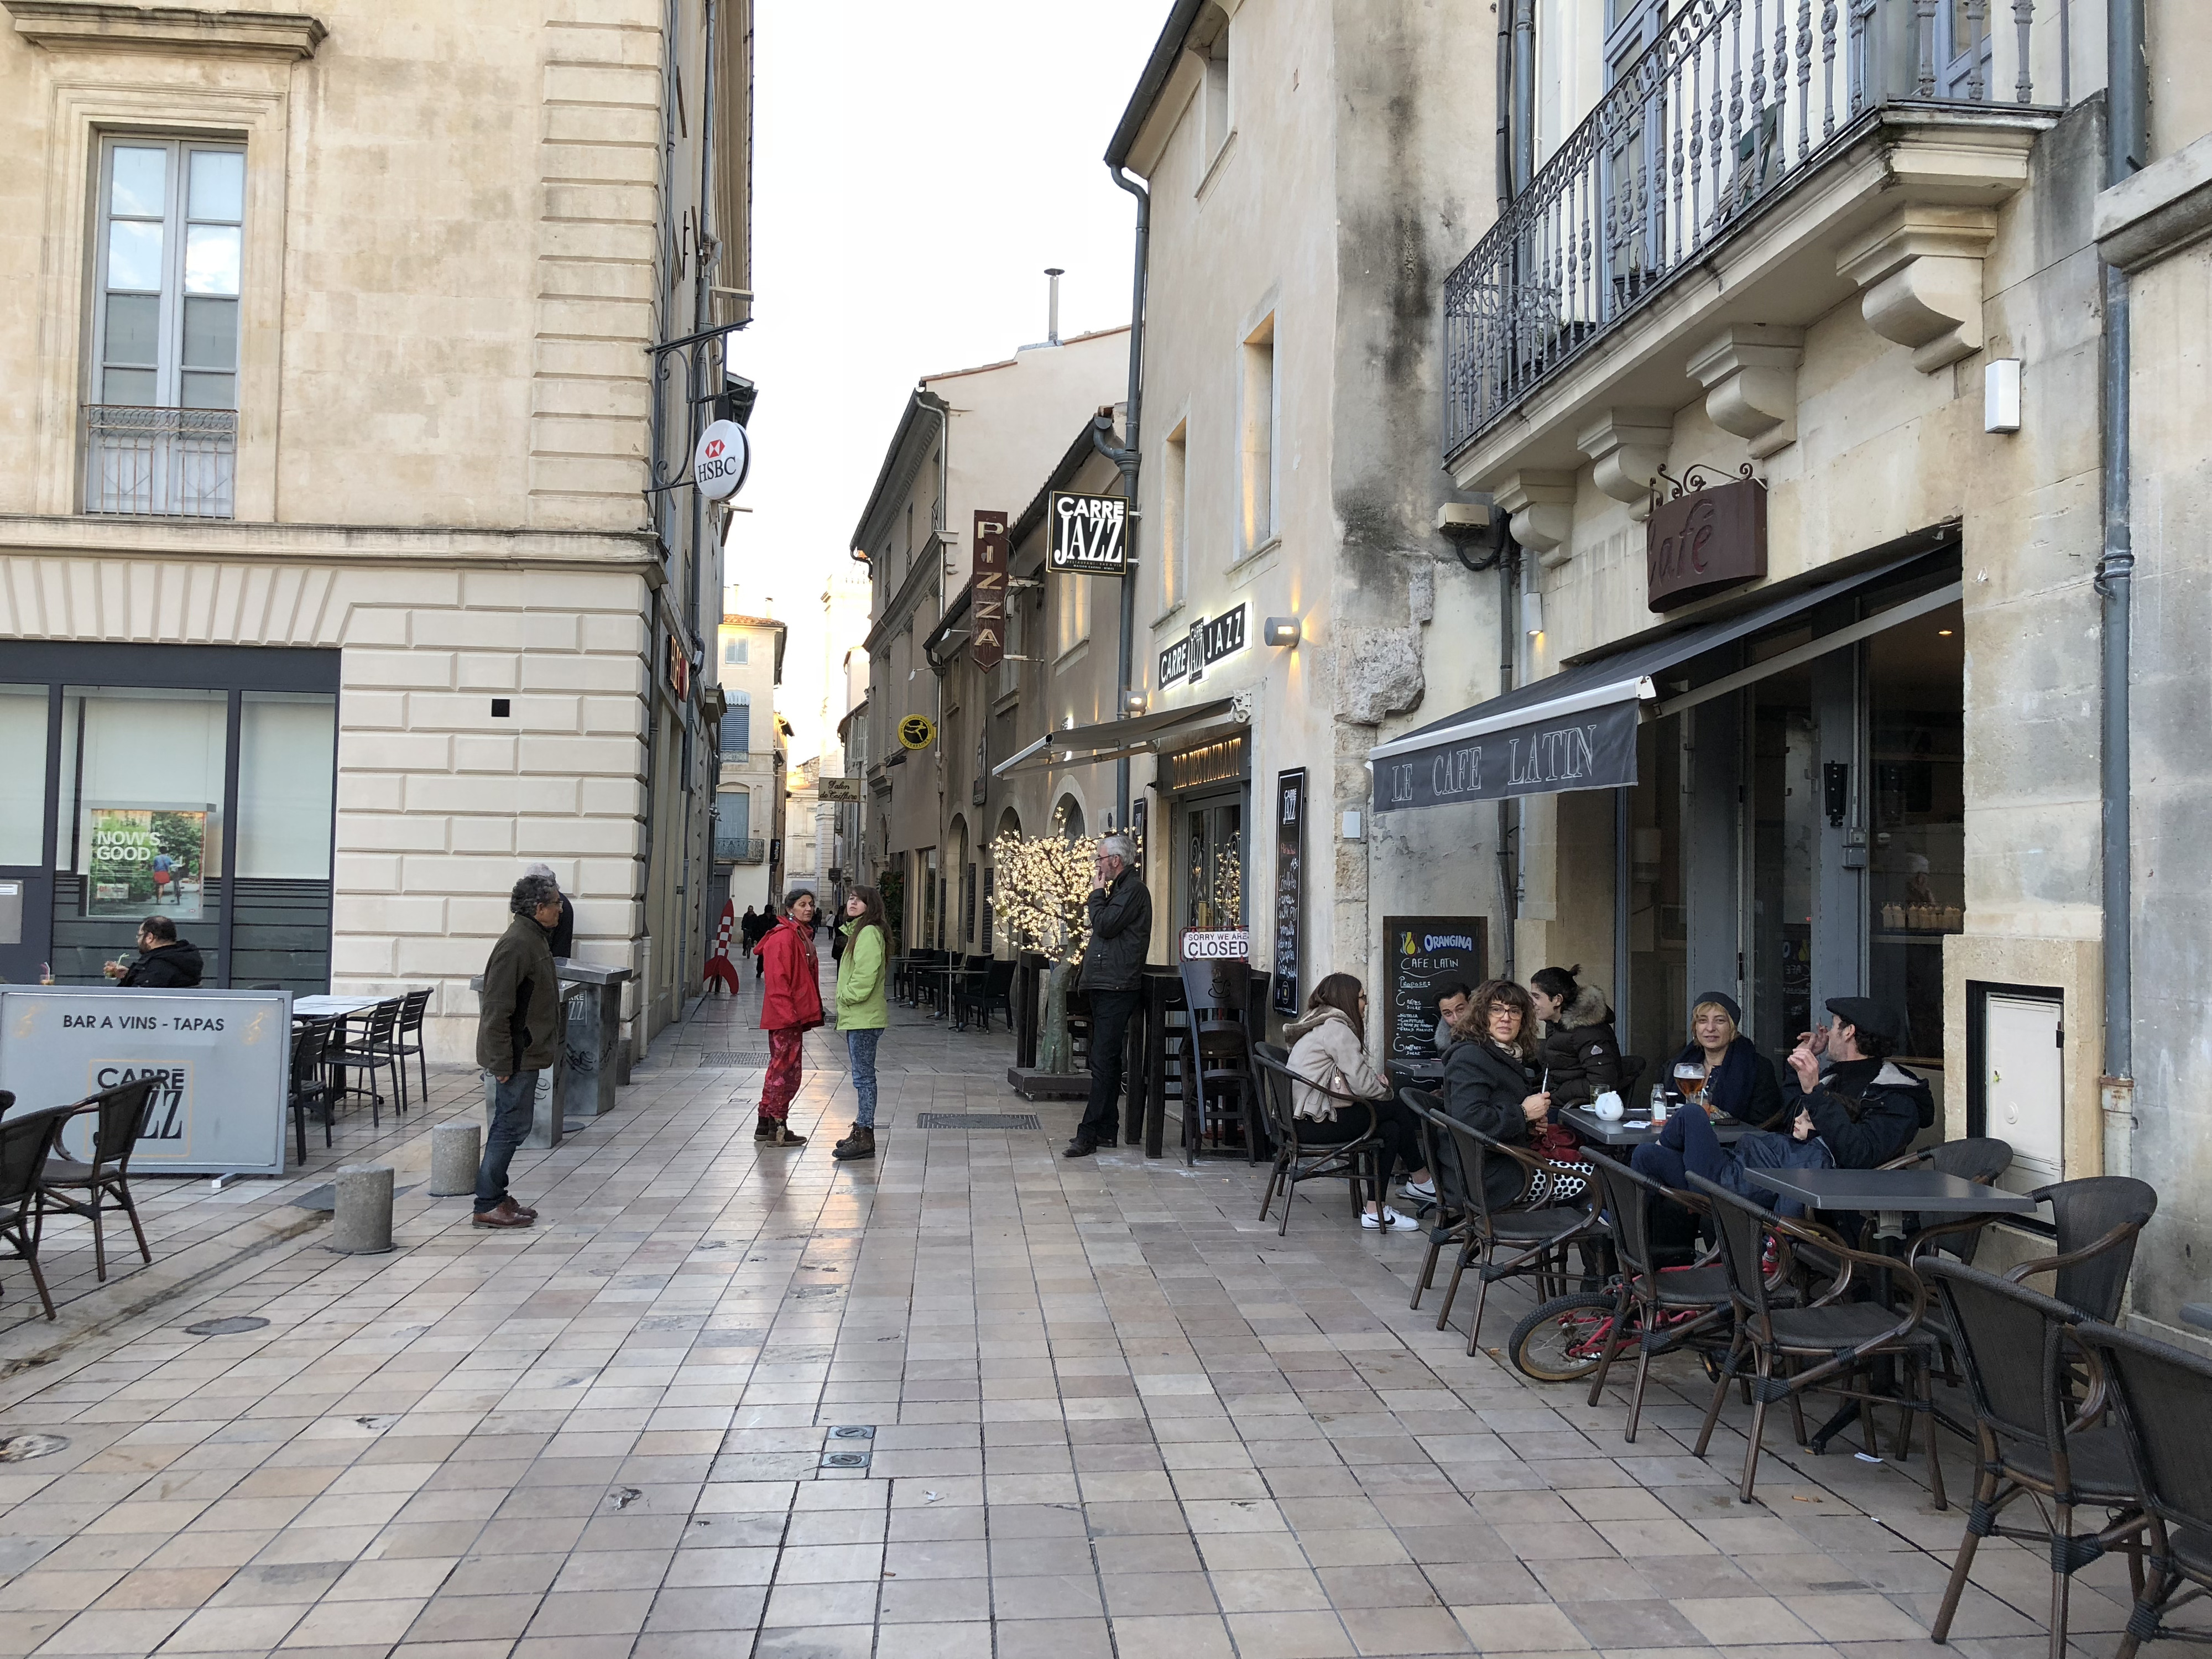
(721, 462)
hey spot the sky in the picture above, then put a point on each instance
(916, 169)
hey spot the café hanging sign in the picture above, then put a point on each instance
(1704, 540)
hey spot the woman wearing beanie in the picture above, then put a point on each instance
(1740, 1081)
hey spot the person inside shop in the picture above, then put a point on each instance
(1328, 1056)
(1494, 1083)
(165, 963)
(1579, 1054)
(562, 941)
(1723, 1069)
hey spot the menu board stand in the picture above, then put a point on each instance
(1421, 955)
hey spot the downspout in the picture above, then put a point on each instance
(1504, 110)
(2127, 147)
(1125, 457)
(1524, 94)
(1508, 874)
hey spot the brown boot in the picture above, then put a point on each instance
(783, 1137)
(861, 1143)
(501, 1214)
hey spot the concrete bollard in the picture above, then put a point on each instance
(361, 1218)
(456, 1150)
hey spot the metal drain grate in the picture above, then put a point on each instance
(734, 1057)
(978, 1121)
(234, 1325)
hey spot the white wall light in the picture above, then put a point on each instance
(1280, 631)
(1532, 613)
(2001, 395)
(1355, 827)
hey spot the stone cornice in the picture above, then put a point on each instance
(2160, 211)
(24, 535)
(182, 31)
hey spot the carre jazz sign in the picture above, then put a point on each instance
(987, 580)
(1090, 534)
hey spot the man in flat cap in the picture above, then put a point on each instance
(1865, 1105)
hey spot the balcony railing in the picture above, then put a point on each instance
(741, 849)
(160, 463)
(1730, 104)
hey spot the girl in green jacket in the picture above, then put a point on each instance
(862, 1012)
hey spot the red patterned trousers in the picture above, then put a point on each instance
(783, 1055)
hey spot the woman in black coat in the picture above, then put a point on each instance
(1492, 1084)
(1579, 1054)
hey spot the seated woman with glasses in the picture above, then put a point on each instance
(1329, 1057)
(1494, 1083)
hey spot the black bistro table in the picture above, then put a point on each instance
(1921, 1192)
(1637, 1129)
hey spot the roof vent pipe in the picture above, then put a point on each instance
(1052, 306)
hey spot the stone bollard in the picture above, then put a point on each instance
(361, 1218)
(456, 1150)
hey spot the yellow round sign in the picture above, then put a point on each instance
(917, 732)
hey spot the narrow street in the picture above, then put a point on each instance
(1103, 1410)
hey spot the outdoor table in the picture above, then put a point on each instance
(1639, 1130)
(1920, 1191)
(338, 1011)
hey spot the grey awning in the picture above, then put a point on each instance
(1082, 745)
(1577, 729)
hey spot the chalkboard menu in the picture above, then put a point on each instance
(1421, 955)
(1289, 881)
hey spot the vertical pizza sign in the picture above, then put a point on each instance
(988, 579)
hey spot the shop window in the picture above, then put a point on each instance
(287, 760)
(1175, 485)
(161, 410)
(1916, 864)
(23, 773)
(1213, 865)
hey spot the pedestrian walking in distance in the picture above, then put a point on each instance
(862, 1011)
(1113, 971)
(518, 1036)
(791, 1007)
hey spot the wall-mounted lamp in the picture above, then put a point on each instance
(1132, 703)
(1280, 631)
(2001, 395)
(1532, 613)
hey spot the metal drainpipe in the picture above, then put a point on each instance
(1125, 458)
(1524, 94)
(2127, 146)
(1504, 110)
(1508, 893)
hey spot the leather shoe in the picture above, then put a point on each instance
(523, 1210)
(503, 1214)
(1080, 1149)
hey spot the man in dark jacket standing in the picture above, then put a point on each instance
(518, 1036)
(1113, 972)
(1866, 1107)
(165, 963)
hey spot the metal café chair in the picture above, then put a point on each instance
(1449, 1218)
(2014, 1344)
(26, 1142)
(2161, 1396)
(407, 1039)
(992, 988)
(119, 1115)
(372, 1051)
(2098, 1218)
(1511, 1240)
(1359, 1161)
(311, 1086)
(1823, 1345)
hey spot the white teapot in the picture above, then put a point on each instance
(1607, 1106)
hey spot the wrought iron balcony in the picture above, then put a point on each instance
(740, 849)
(160, 463)
(1732, 103)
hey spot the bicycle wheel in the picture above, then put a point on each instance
(1564, 1339)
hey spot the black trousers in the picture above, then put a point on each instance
(1110, 1013)
(1394, 1126)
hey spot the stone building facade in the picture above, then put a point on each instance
(328, 527)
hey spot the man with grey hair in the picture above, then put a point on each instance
(518, 1036)
(1113, 972)
(563, 940)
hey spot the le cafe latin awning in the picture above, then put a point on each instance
(1083, 745)
(1577, 729)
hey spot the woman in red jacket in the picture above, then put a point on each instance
(791, 1007)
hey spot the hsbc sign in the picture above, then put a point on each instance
(721, 462)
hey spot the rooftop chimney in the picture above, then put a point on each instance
(1052, 313)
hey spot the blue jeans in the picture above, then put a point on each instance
(514, 1102)
(1688, 1144)
(860, 1050)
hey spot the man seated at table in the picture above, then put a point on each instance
(165, 962)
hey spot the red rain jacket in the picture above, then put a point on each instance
(793, 994)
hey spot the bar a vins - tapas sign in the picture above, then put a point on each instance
(987, 605)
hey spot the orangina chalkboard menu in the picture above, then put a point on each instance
(1421, 955)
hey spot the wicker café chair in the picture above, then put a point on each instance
(1357, 1160)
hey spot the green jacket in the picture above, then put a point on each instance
(519, 1010)
(861, 1003)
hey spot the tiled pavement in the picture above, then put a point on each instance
(1114, 1415)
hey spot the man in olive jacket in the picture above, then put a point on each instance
(1113, 972)
(518, 1036)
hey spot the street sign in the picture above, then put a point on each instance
(917, 732)
(988, 591)
(1090, 534)
(845, 789)
(721, 462)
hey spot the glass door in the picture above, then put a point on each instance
(1212, 870)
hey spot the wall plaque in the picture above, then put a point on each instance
(1702, 542)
